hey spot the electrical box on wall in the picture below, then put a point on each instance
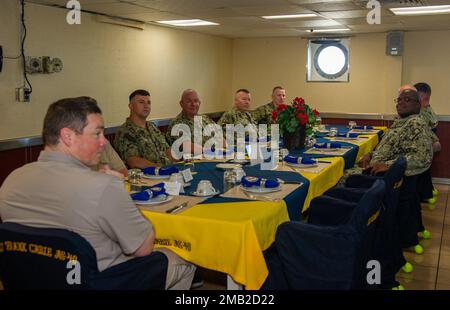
(44, 64)
(394, 43)
(23, 94)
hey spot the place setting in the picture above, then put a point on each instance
(330, 148)
(262, 189)
(366, 130)
(305, 164)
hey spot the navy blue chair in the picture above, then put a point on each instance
(388, 244)
(326, 257)
(36, 258)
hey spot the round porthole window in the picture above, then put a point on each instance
(331, 60)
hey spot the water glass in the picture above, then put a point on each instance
(229, 180)
(333, 131)
(135, 176)
(283, 154)
(351, 124)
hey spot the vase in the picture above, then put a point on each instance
(295, 140)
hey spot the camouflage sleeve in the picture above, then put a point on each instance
(259, 115)
(225, 119)
(126, 146)
(433, 118)
(434, 137)
(169, 137)
(429, 117)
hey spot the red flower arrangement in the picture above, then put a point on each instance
(298, 113)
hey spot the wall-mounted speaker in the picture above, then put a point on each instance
(394, 43)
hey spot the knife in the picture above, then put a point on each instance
(177, 208)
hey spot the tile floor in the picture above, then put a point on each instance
(431, 269)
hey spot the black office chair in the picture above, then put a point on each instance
(326, 257)
(37, 258)
(388, 246)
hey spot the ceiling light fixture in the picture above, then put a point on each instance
(303, 15)
(422, 10)
(328, 30)
(187, 22)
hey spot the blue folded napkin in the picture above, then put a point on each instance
(248, 181)
(363, 127)
(329, 145)
(347, 135)
(299, 160)
(160, 171)
(152, 192)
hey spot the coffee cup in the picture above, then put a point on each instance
(205, 188)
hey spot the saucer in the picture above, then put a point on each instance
(225, 166)
(216, 192)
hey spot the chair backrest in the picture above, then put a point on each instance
(394, 176)
(369, 207)
(37, 258)
(365, 220)
(329, 257)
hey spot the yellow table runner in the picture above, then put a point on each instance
(226, 237)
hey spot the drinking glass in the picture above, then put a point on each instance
(229, 180)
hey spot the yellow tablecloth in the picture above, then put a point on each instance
(226, 237)
(327, 178)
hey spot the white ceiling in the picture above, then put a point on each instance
(242, 18)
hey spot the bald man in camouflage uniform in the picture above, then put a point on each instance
(139, 142)
(263, 114)
(408, 136)
(190, 104)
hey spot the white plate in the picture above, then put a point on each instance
(260, 190)
(226, 166)
(155, 177)
(209, 195)
(301, 165)
(239, 161)
(154, 201)
(365, 132)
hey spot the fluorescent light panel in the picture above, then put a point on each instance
(329, 30)
(187, 22)
(422, 10)
(303, 15)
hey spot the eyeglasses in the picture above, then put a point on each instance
(405, 99)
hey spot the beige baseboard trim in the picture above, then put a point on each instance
(441, 181)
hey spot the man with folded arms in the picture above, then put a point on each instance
(61, 191)
(263, 114)
(139, 142)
